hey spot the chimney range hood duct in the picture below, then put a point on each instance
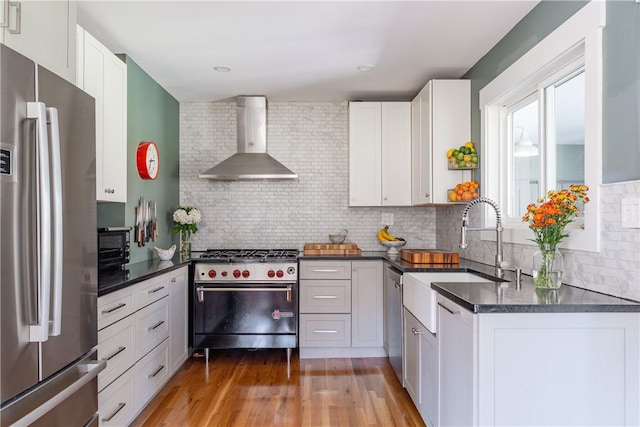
(251, 162)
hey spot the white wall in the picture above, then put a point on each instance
(311, 138)
(615, 270)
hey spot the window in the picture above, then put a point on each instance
(545, 139)
(542, 124)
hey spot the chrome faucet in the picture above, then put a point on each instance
(500, 264)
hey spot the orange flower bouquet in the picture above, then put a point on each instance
(548, 220)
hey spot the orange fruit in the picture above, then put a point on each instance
(452, 196)
(466, 196)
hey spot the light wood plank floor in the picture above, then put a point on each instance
(250, 388)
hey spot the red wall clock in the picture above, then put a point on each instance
(148, 160)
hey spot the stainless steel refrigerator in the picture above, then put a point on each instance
(48, 325)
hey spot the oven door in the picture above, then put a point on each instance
(256, 315)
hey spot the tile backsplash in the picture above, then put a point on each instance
(311, 138)
(615, 270)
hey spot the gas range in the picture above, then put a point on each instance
(246, 265)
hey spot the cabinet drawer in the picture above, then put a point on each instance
(325, 330)
(115, 306)
(325, 270)
(115, 345)
(150, 291)
(151, 326)
(151, 373)
(325, 296)
(116, 405)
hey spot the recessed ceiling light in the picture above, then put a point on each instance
(365, 68)
(222, 69)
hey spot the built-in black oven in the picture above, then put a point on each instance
(113, 248)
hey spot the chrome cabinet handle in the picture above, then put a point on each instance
(323, 270)
(415, 331)
(118, 351)
(325, 331)
(156, 326)
(173, 280)
(156, 372)
(109, 418)
(111, 310)
(449, 310)
(325, 296)
(153, 291)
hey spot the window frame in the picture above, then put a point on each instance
(578, 37)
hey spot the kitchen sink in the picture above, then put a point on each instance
(421, 300)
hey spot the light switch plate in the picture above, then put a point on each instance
(387, 219)
(630, 212)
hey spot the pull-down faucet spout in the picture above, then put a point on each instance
(499, 263)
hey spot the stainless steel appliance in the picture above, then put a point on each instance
(246, 299)
(251, 160)
(393, 318)
(48, 284)
(113, 248)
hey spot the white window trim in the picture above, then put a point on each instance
(580, 34)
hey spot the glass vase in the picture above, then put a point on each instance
(185, 244)
(547, 267)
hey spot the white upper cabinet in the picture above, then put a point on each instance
(104, 76)
(379, 154)
(44, 31)
(441, 119)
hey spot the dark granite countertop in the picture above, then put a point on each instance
(499, 296)
(502, 296)
(137, 272)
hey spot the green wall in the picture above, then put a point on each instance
(621, 86)
(153, 115)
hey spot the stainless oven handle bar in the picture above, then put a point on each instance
(201, 290)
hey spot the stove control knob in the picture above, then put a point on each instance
(245, 273)
(271, 273)
(212, 273)
(279, 273)
(236, 273)
(291, 270)
(224, 273)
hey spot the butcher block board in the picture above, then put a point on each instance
(429, 256)
(331, 249)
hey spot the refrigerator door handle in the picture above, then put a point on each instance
(40, 331)
(55, 327)
(89, 372)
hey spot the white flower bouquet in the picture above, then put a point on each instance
(186, 219)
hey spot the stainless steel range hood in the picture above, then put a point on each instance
(251, 162)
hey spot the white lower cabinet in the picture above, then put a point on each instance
(135, 324)
(341, 309)
(151, 372)
(421, 368)
(178, 319)
(542, 369)
(115, 345)
(116, 403)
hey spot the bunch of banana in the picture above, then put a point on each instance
(385, 236)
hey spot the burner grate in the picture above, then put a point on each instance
(250, 254)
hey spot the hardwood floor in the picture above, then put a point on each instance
(250, 388)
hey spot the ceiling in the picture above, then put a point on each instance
(301, 50)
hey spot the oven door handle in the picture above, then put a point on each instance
(202, 289)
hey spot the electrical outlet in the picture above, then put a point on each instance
(387, 219)
(630, 212)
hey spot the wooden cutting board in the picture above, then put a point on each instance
(331, 249)
(429, 256)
